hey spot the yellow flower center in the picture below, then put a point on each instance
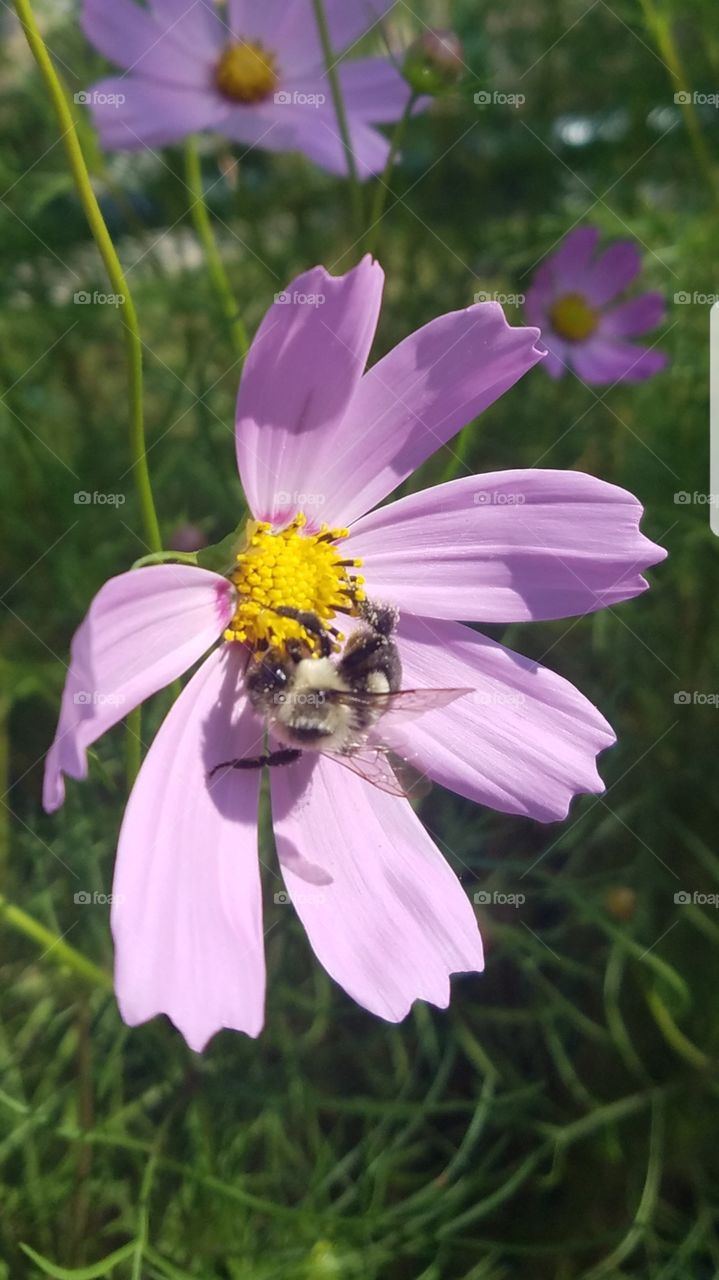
(572, 317)
(246, 72)
(290, 570)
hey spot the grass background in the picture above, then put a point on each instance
(558, 1121)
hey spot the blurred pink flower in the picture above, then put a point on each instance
(383, 911)
(570, 301)
(253, 71)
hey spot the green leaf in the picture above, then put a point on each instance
(101, 1268)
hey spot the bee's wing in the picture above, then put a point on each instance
(408, 704)
(372, 764)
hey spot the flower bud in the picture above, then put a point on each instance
(434, 62)
(621, 902)
(187, 537)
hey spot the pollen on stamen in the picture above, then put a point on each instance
(289, 569)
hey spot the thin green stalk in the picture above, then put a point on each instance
(113, 267)
(55, 948)
(131, 328)
(340, 112)
(659, 27)
(203, 226)
(382, 187)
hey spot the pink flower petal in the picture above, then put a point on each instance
(639, 315)
(506, 547)
(613, 271)
(524, 743)
(197, 26)
(300, 375)
(415, 399)
(131, 113)
(142, 630)
(289, 27)
(384, 913)
(604, 360)
(373, 89)
(187, 906)
(133, 38)
(296, 123)
(558, 360)
(567, 267)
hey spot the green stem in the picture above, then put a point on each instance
(166, 557)
(382, 187)
(660, 28)
(113, 267)
(58, 950)
(203, 226)
(340, 112)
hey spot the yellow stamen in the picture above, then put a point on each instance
(572, 317)
(290, 569)
(246, 72)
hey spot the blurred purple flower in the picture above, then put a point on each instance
(570, 301)
(384, 912)
(253, 71)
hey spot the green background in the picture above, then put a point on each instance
(559, 1120)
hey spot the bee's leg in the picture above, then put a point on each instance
(311, 623)
(285, 756)
(382, 618)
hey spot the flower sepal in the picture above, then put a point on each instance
(221, 557)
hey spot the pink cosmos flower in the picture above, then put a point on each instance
(569, 300)
(253, 71)
(383, 911)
